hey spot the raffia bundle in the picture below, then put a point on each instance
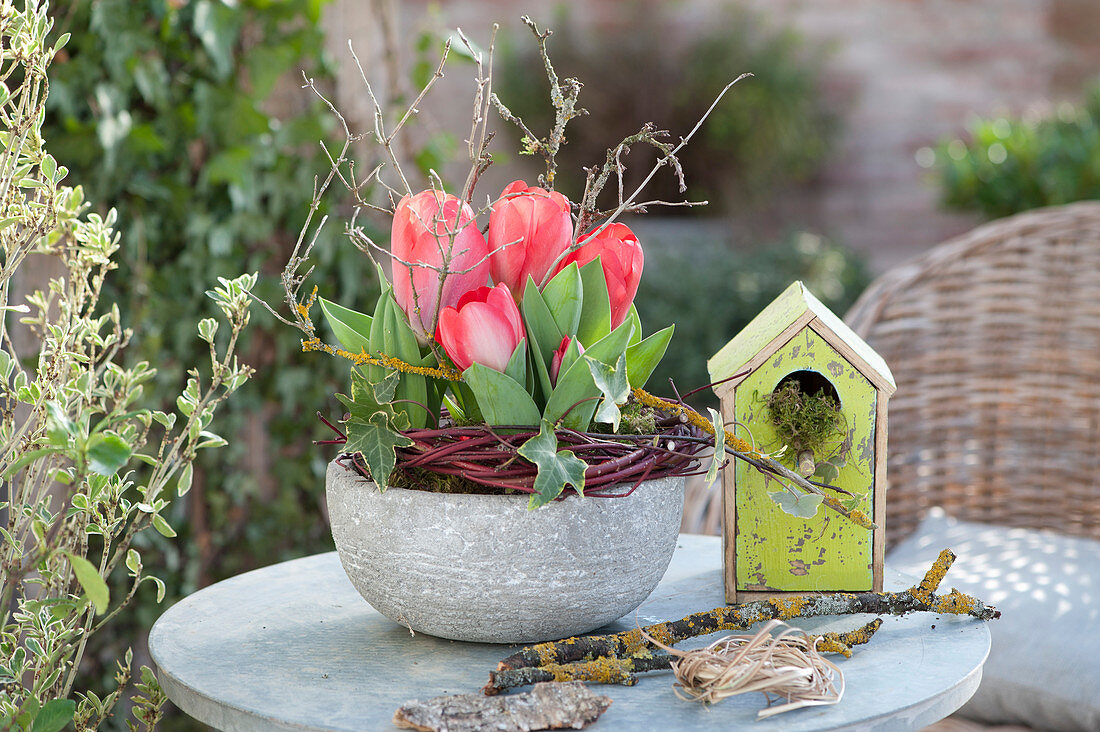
(784, 667)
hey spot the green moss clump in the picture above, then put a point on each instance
(804, 421)
(426, 480)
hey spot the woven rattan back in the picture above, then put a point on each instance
(994, 341)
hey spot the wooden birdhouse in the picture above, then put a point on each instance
(809, 392)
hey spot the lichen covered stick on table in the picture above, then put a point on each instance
(634, 645)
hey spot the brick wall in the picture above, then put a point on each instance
(906, 72)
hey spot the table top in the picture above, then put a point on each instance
(294, 647)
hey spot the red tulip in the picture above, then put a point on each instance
(528, 229)
(621, 257)
(556, 359)
(484, 328)
(425, 227)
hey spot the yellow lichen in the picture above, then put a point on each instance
(923, 591)
(788, 607)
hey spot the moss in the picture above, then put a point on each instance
(804, 421)
(426, 480)
(636, 419)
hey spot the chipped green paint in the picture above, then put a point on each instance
(776, 551)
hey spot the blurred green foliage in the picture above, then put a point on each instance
(769, 132)
(170, 111)
(1009, 164)
(712, 291)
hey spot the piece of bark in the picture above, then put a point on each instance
(546, 706)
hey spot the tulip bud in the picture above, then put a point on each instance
(529, 228)
(622, 260)
(425, 228)
(559, 354)
(484, 328)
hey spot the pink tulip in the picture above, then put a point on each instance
(425, 227)
(556, 359)
(528, 229)
(484, 328)
(621, 257)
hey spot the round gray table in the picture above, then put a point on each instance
(294, 647)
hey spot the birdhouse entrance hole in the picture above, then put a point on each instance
(810, 383)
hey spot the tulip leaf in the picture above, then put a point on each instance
(375, 440)
(556, 468)
(612, 383)
(390, 335)
(351, 328)
(573, 400)
(596, 309)
(541, 327)
(643, 357)
(804, 505)
(636, 319)
(502, 399)
(563, 296)
(542, 331)
(517, 364)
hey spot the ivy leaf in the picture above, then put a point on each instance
(556, 469)
(88, 577)
(387, 387)
(376, 441)
(719, 451)
(827, 471)
(612, 382)
(802, 506)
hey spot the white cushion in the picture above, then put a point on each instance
(1044, 666)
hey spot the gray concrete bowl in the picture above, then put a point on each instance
(485, 569)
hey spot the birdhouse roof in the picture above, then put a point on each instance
(776, 324)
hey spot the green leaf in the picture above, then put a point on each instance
(88, 577)
(184, 483)
(636, 319)
(377, 443)
(351, 328)
(563, 296)
(163, 527)
(517, 364)
(133, 561)
(54, 715)
(575, 385)
(385, 389)
(595, 320)
(502, 400)
(643, 357)
(804, 505)
(107, 453)
(827, 472)
(556, 469)
(719, 453)
(612, 383)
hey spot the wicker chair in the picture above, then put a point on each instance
(994, 341)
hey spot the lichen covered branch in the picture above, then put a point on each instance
(638, 642)
(623, 671)
(744, 451)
